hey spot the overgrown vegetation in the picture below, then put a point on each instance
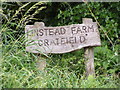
(63, 70)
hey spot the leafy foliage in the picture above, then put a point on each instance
(107, 18)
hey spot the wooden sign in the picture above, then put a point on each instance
(61, 39)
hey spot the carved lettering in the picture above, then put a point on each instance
(73, 30)
(90, 28)
(84, 28)
(82, 39)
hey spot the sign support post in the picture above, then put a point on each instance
(41, 61)
(89, 61)
(89, 55)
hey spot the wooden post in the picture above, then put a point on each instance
(41, 62)
(89, 61)
(89, 54)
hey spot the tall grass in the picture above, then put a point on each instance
(62, 71)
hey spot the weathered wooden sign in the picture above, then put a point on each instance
(61, 39)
